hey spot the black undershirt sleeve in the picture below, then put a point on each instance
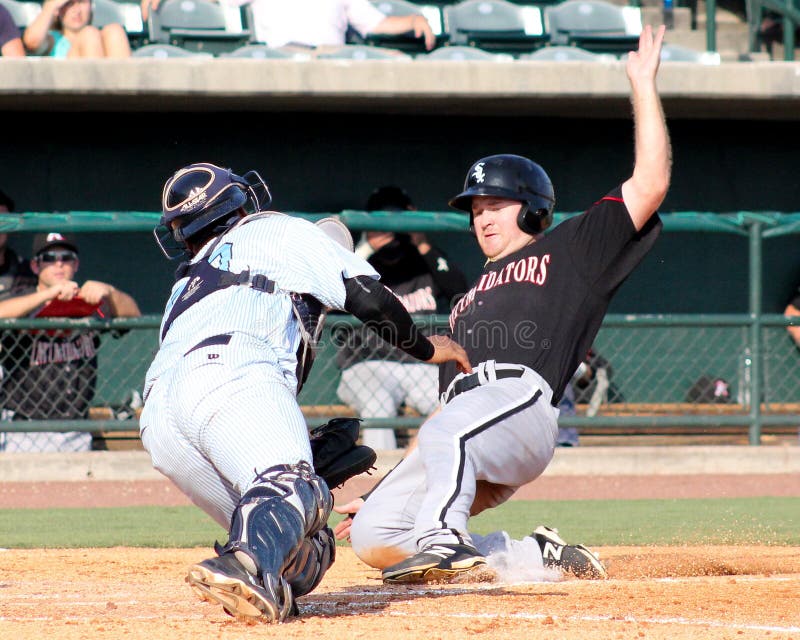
(381, 311)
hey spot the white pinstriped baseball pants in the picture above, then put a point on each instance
(224, 412)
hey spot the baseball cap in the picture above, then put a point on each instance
(389, 198)
(43, 241)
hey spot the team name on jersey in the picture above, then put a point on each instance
(532, 270)
(80, 348)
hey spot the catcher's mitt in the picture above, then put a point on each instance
(337, 457)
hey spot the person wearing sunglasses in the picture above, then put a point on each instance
(51, 374)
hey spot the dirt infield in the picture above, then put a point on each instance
(659, 593)
(696, 592)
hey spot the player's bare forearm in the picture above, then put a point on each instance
(124, 305)
(646, 189)
(446, 349)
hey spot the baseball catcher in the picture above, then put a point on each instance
(237, 340)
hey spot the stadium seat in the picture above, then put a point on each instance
(559, 53)
(594, 25)
(128, 14)
(679, 53)
(363, 52)
(404, 41)
(495, 25)
(198, 25)
(263, 52)
(167, 51)
(465, 53)
(22, 12)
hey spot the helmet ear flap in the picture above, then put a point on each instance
(533, 221)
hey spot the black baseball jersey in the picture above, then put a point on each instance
(49, 374)
(543, 305)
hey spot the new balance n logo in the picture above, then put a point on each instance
(552, 552)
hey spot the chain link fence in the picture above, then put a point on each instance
(654, 374)
(74, 385)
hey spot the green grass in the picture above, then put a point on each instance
(594, 522)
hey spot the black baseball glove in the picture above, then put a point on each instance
(337, 457)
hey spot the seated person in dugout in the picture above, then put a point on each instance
(376, 377)
(51, 374)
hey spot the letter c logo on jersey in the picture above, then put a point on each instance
(478, 173)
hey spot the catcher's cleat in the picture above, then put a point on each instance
(575, 559)
(439, 563)
(242, 595)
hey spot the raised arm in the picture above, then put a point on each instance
(645, 190)
(37, 32)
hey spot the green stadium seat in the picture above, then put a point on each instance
(594, 25)
(465, 53)
(128, 14)
(159, 50)
(363, 52)
(561, 53)
(679, 53)
(198, 25)
(495, 25)
(263, 52)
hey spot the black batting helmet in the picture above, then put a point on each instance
(201, 195)
(516, 178)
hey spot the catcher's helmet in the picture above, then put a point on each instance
(515, 178)
(201, 195)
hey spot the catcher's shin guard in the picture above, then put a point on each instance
(271, 525)
(273, 518)
(312, 560)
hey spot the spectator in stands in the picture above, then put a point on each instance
(10, 37)
(376, 377)
(319, 23)
(63, 29)
(793, 309)
(51, 374)
(15, 272)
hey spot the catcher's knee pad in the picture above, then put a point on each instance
(274, 517)
(314, 557)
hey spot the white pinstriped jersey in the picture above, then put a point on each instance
(294, 253)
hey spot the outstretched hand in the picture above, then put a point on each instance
(642, 64)
(342, 530)
(447, 349)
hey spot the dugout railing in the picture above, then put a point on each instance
(654, 359)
